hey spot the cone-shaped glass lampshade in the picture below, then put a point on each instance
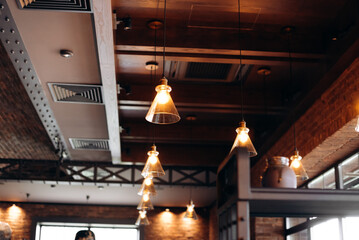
(153, 167)
(142, 219)
(163, 110)
(243, 139)
(190, 212)
(297, 166)
(145, 203)
(357, 126)
(147, 187)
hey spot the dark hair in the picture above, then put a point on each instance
(84, 233)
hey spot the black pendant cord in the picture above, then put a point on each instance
(240, 57)
(154, 79)
(164, 38)
(295, 141)
(291, 85)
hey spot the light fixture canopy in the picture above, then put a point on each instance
(142, 218)
(243, 139)
(153, 167)
(147, 187)
(145, 203)
(190, 212)
(163, 110)
(297, 166)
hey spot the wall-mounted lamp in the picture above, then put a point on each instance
(127, 22)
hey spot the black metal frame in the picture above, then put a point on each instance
(102, 172)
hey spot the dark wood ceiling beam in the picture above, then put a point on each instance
(206, 108)
(177, 154)
(222, 56)
(185, 132)
(198, 94)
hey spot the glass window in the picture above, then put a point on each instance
(61, 231)
(324, 181)
(350, 172)
(291, 222)
(298, 236)
(350, 228)
(328, 230)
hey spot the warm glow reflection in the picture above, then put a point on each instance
(14, 211)
(166, 217)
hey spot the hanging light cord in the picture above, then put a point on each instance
(240, 57)
(291, 83)
(155, 67)
(164, 38)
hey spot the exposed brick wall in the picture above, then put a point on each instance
(22, 134)
(336, 107)
(269, 228)
(213, 223)
(164, 225)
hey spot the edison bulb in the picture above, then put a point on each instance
(146, 197)
(142, 214)
(243, 137)
(296, 163)
(163, 97)
(153, 159)
(148, 181)
(190, 208)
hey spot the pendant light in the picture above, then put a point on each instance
(147, 187)
(142, 218)
(242, 139)
(145, 203)
(190, 212)
(163, 110)
(296, 163)
(153, 167)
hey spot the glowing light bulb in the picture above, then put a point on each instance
(153, 159)
(163, 97)
(190, 208)
(142, 214)
(243, 136)
(146, 197)
(148, 181)
(296, 163)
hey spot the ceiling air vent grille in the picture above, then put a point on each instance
(204, 72)
(207, 70)
(60, 5)
(76, 93)
(89, 144)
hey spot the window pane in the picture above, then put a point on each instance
(109, 233)
(68, 231)
(298, 236)
(350, 172)
(350, 228)
(328, 230)
(291, 222)
(324, 181)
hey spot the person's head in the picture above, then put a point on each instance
(85, 235)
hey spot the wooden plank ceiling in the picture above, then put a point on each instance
(204, 33)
